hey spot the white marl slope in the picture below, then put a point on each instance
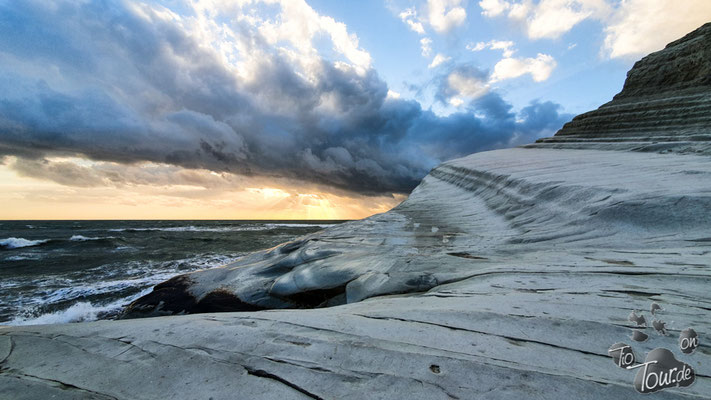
(558, 246)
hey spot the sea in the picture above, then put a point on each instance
(71, 271)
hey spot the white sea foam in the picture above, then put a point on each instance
(16, 243)
(122, 248)
(191, 229)
(79, 291)
(241, 228)
(82, 311)
(295, 225)
(23, 257)
(80, 238)
(78, 312)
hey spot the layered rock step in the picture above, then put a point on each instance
(665, 105)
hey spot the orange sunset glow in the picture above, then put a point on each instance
(155, 191)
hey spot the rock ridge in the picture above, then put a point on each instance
(664, 106)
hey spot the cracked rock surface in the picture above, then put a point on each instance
(505, 275)
(496, 336)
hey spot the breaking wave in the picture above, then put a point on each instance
(80, 238)
(16, 243)
(242, 228)
(78, 312)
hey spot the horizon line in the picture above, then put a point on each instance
(178, 219)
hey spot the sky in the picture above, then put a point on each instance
(291, 109)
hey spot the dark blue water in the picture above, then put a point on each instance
(70, 271)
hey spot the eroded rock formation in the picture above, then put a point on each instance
(665, 105)
(492, 203)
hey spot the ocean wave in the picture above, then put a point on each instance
(83, 296)
(16, 243)
(78, 312)
(122, 248)
(80, 238)
(296, 225)
(80, 291)
(188, 229)
(243, 228)
(23, 257)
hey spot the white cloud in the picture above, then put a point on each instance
(440, 15)
(443, 15)
(409, 16)
(552, 18)
(632, 27)
(456, 101)
(519, 10)
(438, 59)
(426, 46)
(476, 47)
(505, 45)
(299, 23)
(639, 27)
(466, 85)
(547, 18)
(493, 8)
(540, 68)
(393, 94)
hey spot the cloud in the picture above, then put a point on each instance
(639, 27)
(489, 122)
(393, 95)
(443, 15)
(151, 191)
(631, 27)
(540, 68)
(505, 45)
(426, 46)
(462, 83)
(224, 88)
(552, 18)
(409, 16)
(438, 60)
(493, 8)
(77, 172)
(546, 18)
(473, 83)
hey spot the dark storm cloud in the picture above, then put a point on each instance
(114, 81)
